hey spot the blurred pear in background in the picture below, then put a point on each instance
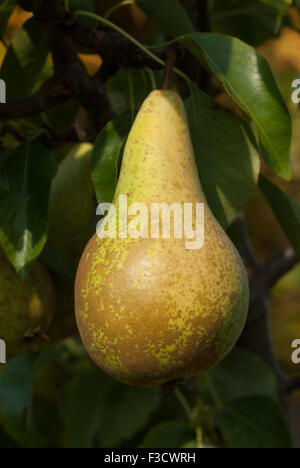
(72, 203)
(26, 308)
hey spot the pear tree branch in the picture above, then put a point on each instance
(293, 385)
(111, 46)
(279, 266)
(262, 277)
(70, 78)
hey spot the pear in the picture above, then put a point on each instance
(72, 203)
(285, 318)
(150, 310)
(26, 308)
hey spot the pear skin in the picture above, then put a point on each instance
(149, 310)
(26, 308)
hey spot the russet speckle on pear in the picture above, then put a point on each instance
(149, 310)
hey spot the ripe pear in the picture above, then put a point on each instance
(72, 203)
(149, 310)
(26, 308)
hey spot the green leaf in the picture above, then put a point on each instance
(280, 5)
(248, 79)
(223, 143)
(125, 411)
(97, 404)
(249, 20)
(24, 208)
(57, 262)
(24, 60)
(4, 182)
(106, 155)
(242, 374)
(254, 422)
(286, 210)
(82, 408)
(168, 434)
(119, 87)
(16, 384)
(169, 14)
(6, 10)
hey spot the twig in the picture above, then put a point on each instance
(111, 46)
(256, 335)
(278, 266)
(169, 69)
(246, 247)
(139, 45)
(293, 385)
(71, 79)
(52, 92)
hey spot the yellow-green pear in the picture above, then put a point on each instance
(285, 318)
(72, 202)
(152, 309)
(26, 308)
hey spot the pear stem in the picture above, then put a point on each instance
(169, 69)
